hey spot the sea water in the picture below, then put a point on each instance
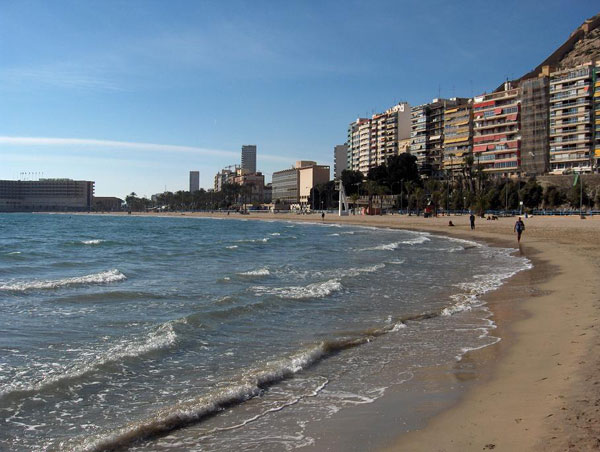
(204, 334)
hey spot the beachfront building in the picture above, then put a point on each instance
(371, 141)
(597, 117)
(225, 176)
(496, 132)
(535, 104)
(194, 181)
(387, 129)
(308, 178)
(571, 113)
(107, 203)
(293, 186)
(353, 143)
(427, 134)
(54, 195)
(249, 158)
(458, 136)
(253, 186)
(340, 160)
(364, 147)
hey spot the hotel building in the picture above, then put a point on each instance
(53, 195)
(496, 132)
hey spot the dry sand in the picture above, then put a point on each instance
(539, 388)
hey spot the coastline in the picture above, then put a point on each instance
(537, 387)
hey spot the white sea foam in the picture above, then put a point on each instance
(275, 233)
(482, 284)
(232, 247)
(396, 262)
(162, 337)
(416, 241)
(383, 247)
(398, 326)
(194, 410)
(92, 242)
(315, 290)
(358, 271)
(258, 272)
(334, 234)
(108, 276)
(13, 253)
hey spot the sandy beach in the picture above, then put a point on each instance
(539, 387)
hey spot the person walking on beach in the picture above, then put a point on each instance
(519, 228)
(472, 219)
(323, 217)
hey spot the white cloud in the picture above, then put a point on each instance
(164, 148)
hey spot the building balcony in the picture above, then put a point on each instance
(571, 75)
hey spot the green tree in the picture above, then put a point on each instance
(553, 197)
(351, 181)
(531, 194)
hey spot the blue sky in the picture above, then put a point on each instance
(135, 94)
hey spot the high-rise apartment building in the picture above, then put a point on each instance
(427, 134)
(496, 132)
(596, 158)
(571, 113)
(535, 105)
(458, 136)
(194, 181)
(249, 158)
(340, 160)
(372, 141)
(354, 143)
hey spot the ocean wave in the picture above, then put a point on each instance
(162, 337)
(92, 242)
(396, 262)
(251, 384)
(108, 276)
(416, 241)
(383, 247)
(258, 272)
(275, 233)
(263, 240)
(481, 284)
(231, 247)
(315, 290)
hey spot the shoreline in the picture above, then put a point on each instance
(536, 388)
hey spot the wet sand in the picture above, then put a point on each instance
(538, 388)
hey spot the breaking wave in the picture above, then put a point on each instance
(162, 337)
(258, 272)
(108, 276)
(315, 290)
(92, 242)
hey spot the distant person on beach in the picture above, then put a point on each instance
(472, 219)
(450, 223)
(519, 228)
(322, 216)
